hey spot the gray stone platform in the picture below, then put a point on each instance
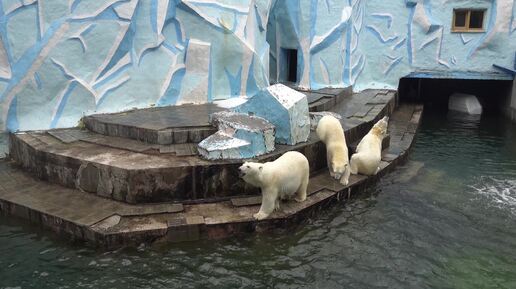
(160, 125)
(135, 172)
(188, 123)
(110, 223)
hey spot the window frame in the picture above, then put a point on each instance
(467, 29)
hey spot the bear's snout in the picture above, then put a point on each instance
(241, 172)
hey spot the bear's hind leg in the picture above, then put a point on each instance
(301, 192)
(353, 166)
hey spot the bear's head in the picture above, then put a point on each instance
(339, 167)
(251, 173)
(380, 128)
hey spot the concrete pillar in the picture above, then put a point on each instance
(511, 113)
(508, 105)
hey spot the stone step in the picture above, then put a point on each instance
(240, 136)
(187, 123)
(131, 176)
(135, 177)
(70, 135)
(114, 224)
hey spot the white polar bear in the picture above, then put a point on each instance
(367, 158)
(330, 132)
(283, 178)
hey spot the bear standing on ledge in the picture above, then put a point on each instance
(367, 159)
(283, 178)
(330, 132)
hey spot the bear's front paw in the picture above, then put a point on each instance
(260, 216)
(299, 200)
(344, 182)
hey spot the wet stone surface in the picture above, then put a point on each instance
(112, 224)
(160, 125)
(160, 118)
(136, 172)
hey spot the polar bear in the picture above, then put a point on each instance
(330, 132)
(283, 178)
(367, 158)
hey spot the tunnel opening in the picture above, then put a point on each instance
(435, 93)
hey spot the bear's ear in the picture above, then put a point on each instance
(260, 168)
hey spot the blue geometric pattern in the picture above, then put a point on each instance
(61, 59)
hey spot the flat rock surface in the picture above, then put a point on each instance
(160, 118)
(81, 208)
(88, 216)
(184, 116)
(133, 154)
(22, 195)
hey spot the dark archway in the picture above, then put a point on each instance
(434, 93)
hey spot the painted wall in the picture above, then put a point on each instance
(61, 59)
(417, 38)
(372, 44)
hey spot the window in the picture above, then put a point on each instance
(468, 20)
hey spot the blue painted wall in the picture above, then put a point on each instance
(61, 59)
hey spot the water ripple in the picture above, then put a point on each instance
(500, 192)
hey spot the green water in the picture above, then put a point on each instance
(447, 219)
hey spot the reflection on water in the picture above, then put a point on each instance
(463, 120)
(444, 220)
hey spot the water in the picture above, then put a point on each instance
(447, 219)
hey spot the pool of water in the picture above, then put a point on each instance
(446, 219)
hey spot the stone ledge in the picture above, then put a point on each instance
(142, 177)
(106, 223)
(160, 125)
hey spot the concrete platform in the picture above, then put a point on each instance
(188, 123)
(110, 223)
(160, 125)
(135, 172)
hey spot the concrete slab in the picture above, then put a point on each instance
(110, 223)
(160, 125)
(135, 172)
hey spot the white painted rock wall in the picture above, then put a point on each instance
(285, 108)
(240, 136)
(466, 103)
